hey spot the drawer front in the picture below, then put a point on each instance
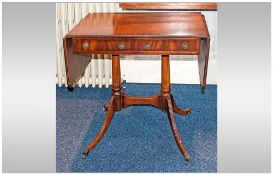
(189, 45)
(103, 45)
(159, 46)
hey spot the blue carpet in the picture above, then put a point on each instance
(139, 138)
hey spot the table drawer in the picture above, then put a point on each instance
(103, 45)
(188, 45)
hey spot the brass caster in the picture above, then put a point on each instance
(187, 159)
(70, 89)
(105, 107)
(85, 153)
(202, 90)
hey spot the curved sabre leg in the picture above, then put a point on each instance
(175, 131)
(105, 125)
(177, 110)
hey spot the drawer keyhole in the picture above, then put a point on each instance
(121, 45)
(85, 45)
(185, 46)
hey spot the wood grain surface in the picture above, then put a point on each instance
(204, 6)
(159, 24)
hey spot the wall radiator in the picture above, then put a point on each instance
(68, 15)
(98, 73)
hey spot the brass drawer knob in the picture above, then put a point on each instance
(85, 45)
(185, 46)
(121, 45)
(147, 46)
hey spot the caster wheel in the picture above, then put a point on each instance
(186, 162)
(84, 156)
(187, 159)
(70, 89)
(105, 107)
(85, 153)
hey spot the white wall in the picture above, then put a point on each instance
(182, 72)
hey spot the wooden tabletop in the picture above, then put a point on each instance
(184, 6)
(158, 24)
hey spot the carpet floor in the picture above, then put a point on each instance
(139, 138)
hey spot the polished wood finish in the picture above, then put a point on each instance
(105, 125)
(171, 46)
(75, 64)
(163, 101)
(138, 33)
(205, 6)
(180, 33)
(175, 130)
(165, 74)
(179, 111)
(158, 24)
(116, 82)
(103, 45)
(154, 101)
(203, 59)
(189, 46)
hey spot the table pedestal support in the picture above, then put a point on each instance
(163, 101)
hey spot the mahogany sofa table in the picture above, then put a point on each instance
(159, 33)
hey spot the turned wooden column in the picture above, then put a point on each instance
(165, 79)
(116, 82)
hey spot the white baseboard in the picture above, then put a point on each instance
(182, 72)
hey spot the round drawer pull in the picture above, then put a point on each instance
(147, 46)
(185, 46)
(85, 45)
(121, 45)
